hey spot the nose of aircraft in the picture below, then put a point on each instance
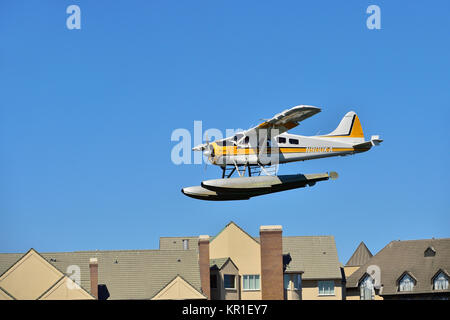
(209, 152)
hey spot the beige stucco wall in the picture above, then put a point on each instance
(310, 290)
(30, 277)
(349, 271)
(33, 277)
(243, 250)
(66, 289)
(291, 294)
(4, 296)
(178, 289)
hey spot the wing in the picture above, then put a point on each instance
(281, 122)
(284, 121)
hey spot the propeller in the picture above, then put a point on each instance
(206, 151)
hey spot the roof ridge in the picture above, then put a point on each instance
(418, 240)
(360, 256)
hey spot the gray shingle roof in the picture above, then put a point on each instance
(176, 243)
(361, 255)
(316, 256)
(128, 274)
(218, 262)
(399, 257)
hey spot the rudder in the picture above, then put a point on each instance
(349, 127)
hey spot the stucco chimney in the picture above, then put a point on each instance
(203, 260)
(93, 269)
(271, 262)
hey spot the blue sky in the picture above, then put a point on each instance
(86, 118)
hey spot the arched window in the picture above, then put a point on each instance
(366, 288)
(440, 282)
(406, 283)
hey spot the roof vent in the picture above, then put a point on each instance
(429, 252)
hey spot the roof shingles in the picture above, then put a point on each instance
(127, 274)
(409, 256)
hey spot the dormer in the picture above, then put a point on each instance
(440, 280)
(406, 282)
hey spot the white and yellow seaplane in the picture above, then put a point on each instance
(250, 153)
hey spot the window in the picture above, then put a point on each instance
(292, 281)
(440, 282)
(238, 137)
(366, 288)
(287, 280)
(293, 141)
(251, 282)
(326, 288)
(297, 281)
(281, 140)
(213, 281)
(406, 283)
(185, 244)
(229, 280)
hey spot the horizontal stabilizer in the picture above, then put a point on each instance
(374, 141)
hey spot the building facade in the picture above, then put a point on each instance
(307, 267)
(412, 269)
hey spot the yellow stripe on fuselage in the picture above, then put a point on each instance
(233, 150)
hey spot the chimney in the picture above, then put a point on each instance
(203, 260)
(271, 262)
(93, 269)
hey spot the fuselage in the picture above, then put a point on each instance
(283, 148)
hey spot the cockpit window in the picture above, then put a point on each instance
(281, 140)
(223, 143)
(237, 137)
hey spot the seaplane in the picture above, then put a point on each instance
(251, 153)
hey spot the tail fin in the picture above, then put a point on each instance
(349, 127)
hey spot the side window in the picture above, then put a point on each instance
(229, 281)
(281, 140)
(293, 141)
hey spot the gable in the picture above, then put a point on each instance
(66, 289)
(4, 295)
(244, 251)
(29, 277)
(361, 255)
(178, 289)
